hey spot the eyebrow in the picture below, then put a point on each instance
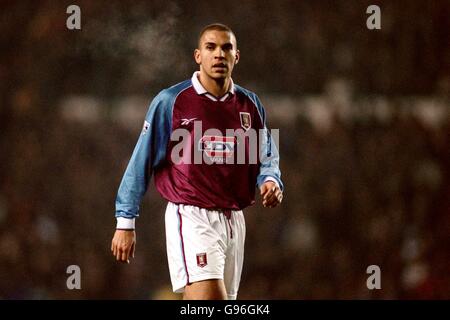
(227, 44)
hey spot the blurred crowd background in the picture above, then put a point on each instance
(364, 120)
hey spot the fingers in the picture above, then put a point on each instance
(270, 191)
(117, 252)
(123, 245)
(125, 254)
(273, 199)
(122, 252)
(264, 189)
(271, 194)
(133, 248)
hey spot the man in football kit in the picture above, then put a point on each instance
(205, 227)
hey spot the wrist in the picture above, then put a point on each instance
(272, 180)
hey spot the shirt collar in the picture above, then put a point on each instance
(201, 90)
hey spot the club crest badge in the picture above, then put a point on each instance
(245, 120)
(201, 259)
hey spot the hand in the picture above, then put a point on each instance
(123, 245)
(271, 194)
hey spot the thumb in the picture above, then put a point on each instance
(263, 189)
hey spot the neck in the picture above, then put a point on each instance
(217, 87)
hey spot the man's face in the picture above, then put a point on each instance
(217, 54)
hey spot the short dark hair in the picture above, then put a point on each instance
(218, 27)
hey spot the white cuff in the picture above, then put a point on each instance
(273, 180)
(125, 223)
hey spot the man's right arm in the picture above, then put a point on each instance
(148, 153)
(135, 180)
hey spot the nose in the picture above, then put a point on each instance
(220, 53)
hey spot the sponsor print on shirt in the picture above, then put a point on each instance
(237, 146)
(217, 148)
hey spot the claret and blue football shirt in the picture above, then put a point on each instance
(211, 184)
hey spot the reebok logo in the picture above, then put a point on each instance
(185, 122)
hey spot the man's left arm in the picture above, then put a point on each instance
(269, 177)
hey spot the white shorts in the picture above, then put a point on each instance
(204, 244)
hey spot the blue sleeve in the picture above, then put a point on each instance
(269, 156)
(149, 152)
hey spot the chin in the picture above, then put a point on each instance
(216, 75)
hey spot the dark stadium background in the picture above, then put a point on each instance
(364, 119)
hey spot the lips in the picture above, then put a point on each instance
(220, 65)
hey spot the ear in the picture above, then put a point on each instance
(197, 56)
(238, 56)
